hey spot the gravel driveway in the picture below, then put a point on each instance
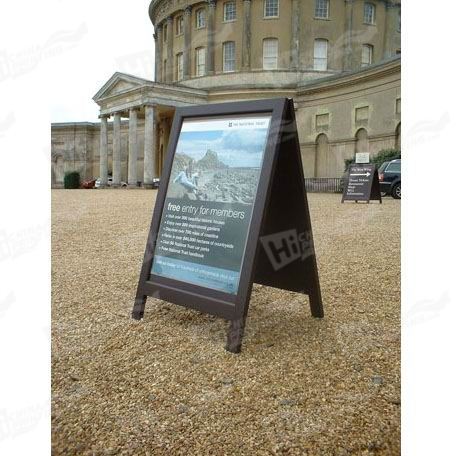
(166, 386)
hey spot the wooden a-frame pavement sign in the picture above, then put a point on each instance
(274, 243)
(362, 183)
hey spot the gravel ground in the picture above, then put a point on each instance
(165, 385)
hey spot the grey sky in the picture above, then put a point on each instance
(93, 40)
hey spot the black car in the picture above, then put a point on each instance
(389, 175)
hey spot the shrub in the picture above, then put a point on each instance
(71, 180)
(383, 156)
(386, 155)
(348, 162)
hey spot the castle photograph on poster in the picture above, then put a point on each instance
(219, 160)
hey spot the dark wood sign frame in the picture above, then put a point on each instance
(280, 205)
(373, 186)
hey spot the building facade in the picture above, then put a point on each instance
(338, 59)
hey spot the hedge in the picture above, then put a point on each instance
(383, 156)
(71, 180)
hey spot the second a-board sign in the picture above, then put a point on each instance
(231, 210)
(362, 183)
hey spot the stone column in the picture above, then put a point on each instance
(295, 30)
(104, 150)
(210, 59)
(170, 50)
(246, 35)
(158, 38)
(348, 50)
(133, 148)
(157, 158)
(390, 29)
(116, 151)
(166, 133)
(187, 41)
(149, 146)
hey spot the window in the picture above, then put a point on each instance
(397, 142)
(229, 57)
(180, 25)
(399, 21)
(229, 11)
(362, 141)
(200, 61)
(394, 167)
(180, 66)
(200, 18)
(366, 55)
(398, 106)
(270, 53)
(165, 32)
(322, 9)
(164, 71)
(321, 55)
(271, 8)
(322, 121)
(322, 158)
(369, 13)
(362, 114)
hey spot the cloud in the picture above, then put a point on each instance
(248, 141)
(235, 148)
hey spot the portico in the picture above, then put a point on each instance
(149, 108)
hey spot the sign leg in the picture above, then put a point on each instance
(316, 305)
(235, 333)
(138, 308)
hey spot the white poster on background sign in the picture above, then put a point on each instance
(362, 157)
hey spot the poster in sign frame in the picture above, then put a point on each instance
(231, 210)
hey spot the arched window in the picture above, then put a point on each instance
(270, 53)
(271, 8)
(321, 9)
(321, 156)
(229, 11)
(369, 13)
(59, 170)
(321, 54)
(165, 33)
(200, 61)
(362, 141)
(367, 54)
(398, 137)
(229, 56)
(179, 25)
(180, 66)
(200, 18)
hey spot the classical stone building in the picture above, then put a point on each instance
(338, 59)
